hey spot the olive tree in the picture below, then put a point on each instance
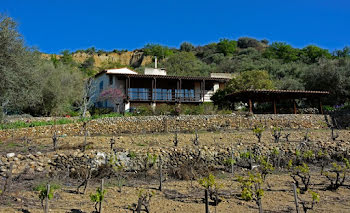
(18, 83)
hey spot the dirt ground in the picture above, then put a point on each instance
(279, 198)
(165, 140)
(177, 196)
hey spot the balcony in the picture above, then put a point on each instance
(164, 95)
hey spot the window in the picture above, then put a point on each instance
(110, 80)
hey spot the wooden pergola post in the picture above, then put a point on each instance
(127, 89)
(180, 85)
(321, 108)
(250, 105)
(155, 89)
(273, 96)
(274, 106)
(203, 89)
(152, 89)
(177, 90)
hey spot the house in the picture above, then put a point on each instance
(155, 86)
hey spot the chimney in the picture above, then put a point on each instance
(155, 62)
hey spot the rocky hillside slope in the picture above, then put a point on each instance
(130, 58)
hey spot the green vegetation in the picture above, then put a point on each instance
(337, 174)
(23, 124)
(258, 132)
(98, 197)
(252, 188)
(209, 183)
(157, 50)
(301, 176)
(43, 193)
(37, 86)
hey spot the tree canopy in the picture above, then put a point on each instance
(30, 84)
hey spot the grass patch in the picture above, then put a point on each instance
(110, 115)
(23, 124)
(12, 145)
(42, 186)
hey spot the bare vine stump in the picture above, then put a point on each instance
(250, 159)
(100, 207)
(112, 142)
(295, 198)
(54, 141)
(139, 204)
(260, 206)
(8, 181)
(47, 198)
(160, 173)
(206, 201)
(85, 136)
(232, 156)
(87, 180)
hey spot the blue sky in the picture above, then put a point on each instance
(55, 25)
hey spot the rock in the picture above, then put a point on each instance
(3, 159)
(10, 155)
(32, 164)
(32, 157)
(39, 169)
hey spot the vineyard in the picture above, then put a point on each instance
(253, 170)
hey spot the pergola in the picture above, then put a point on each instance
(255, 95)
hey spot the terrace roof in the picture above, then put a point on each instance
(164, 76)
(271, 95)
(261, 95)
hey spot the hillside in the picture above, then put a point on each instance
(130, 58)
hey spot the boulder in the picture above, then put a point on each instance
(10, 155)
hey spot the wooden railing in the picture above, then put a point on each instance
(164, 95)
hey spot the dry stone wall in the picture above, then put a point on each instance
(186, 123)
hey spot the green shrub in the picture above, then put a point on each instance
(109, 115)
(337, 174)
(251, 188)
(265, 167)
(98, 197)
(246, 155)
(43, 193)
(144, 110)
(258, 132)
(300, 174)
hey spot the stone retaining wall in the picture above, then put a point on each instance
(134, 160)
(150, 124)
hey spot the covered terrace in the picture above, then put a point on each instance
(253, 95)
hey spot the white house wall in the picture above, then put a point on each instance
(117, 83)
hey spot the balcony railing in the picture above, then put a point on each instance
(164, 95)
